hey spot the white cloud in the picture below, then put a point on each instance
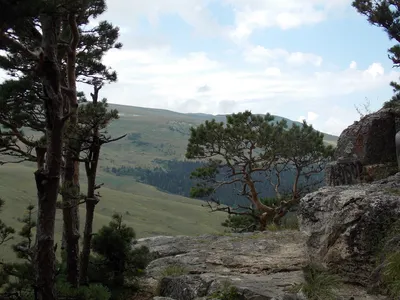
(311, 116)
(259, 54)
(375, 70)
(353, 65)
(158, 78)
(337, 120)
(273, 71)
(259, 14)
(193, 12)
(249, 15)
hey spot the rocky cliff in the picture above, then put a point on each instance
(348, 226)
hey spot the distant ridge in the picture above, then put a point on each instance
(196, 117)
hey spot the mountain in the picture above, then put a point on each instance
(156, 134)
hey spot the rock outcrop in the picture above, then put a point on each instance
(261, 266)
(370, 140)
(366, 150)
(346, 225)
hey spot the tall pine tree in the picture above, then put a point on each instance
(48, 50)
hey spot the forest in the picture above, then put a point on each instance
(174, 176)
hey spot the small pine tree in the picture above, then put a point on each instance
(6, 232)
(20, 276)
(114, 263)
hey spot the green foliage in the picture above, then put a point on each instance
(95, 115)
(391, 274)
(21, 97)
(91, 292)
(226, 292)
(18, 277)
(6, 232)
(319, 283)
(240, 223)
(251, 151)
(115, 264)
(385, 14)
(173, 270)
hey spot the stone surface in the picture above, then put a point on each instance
(262, 266)
(346, 224)
(370, 140)
(349, 172)
(379, 171)
(343, 172)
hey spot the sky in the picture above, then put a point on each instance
(301, 59)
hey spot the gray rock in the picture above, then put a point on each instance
(346, 225)
(260, 265)
(343, 172)
(371, 140)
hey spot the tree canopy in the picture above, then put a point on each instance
(247, 152)
(385, 14)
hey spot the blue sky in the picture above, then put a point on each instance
(312, 59)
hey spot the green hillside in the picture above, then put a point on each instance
(155, 134)
(148, 210)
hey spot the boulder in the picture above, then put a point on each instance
(370, 140)
(346, 225)
(260, 265)
(343, 172)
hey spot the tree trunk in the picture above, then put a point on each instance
(70, 201)
(91, 200)
(47, 182)
(296, 184)
(48, 178)
(71, 188)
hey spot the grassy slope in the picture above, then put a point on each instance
(156, 127)
(148, 210)
(163, 135)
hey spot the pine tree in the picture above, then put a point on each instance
(22, 285)
(115, 264)
(242, 154)
(47, 59)
(385, 14)
(236, 152)
(95, 117)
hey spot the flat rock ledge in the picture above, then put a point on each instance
(261, 265)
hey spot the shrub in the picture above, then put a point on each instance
(91, 292)
(114, 263)
(173, 270)
(391, 274)
(319, 283)
(226, 292)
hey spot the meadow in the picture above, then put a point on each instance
(149, 211)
